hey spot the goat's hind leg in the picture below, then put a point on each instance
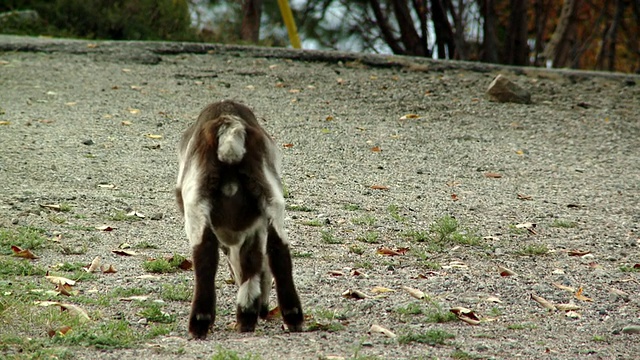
(249, 301)
(280, 263)
(205, 264)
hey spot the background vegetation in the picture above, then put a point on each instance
(581, 34)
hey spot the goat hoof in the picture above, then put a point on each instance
(199, 326)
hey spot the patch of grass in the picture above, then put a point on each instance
(364, 220)
(370, 237)
(461, 355)
(314, 222)
(160, 330)
(523, 326)
(127, 292)
(356, 249)
(110, 335)
(394, 211)
(516, 231)
(413, 308)
(153, 312)
(224, 354)
(145, 245)
(417, 235)
(332, 326)
(558, 223)
(494, 311)
(363, 265)
(56, 219)
(19, 267)
(633, 268)
(25, 237)
(351, 207)
(180, 292)
(439, 316)
(67, 266)
(64, 207)
(598, 338)
(533, 250)
(431, 265)
(301, 208)
(297, 254)
(447, 230)
(120, 215)
(430, 337)
(81, 228)
(162, 266)
(285, 190)
(329, 238)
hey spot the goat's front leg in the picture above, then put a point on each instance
(205, 264)
(249, 302)
(280, 263)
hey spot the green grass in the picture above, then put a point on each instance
(81, 228)
(67, 266)
(64, 207)
(115, 334)
(145, 245)
(297, 254)
(355, 249)
(523, 326)
(120, 215)
(370, 237)
(153, 312)
(329, 238)
(314, 222)
(224, 354)
(163, 266)
(417, 235)
(56, 219)
(301, 208)
(413, 308)
(563, 224)
(448, 230)
(25, 237)
(599, 338)
(364, 220)
(626, 268)
(19, 267)
(363, 265)
(394, 211)
(461, 355)
(120, 292)
(533, 250)
(180, 292)
(430, 337)
(352, 207)
(516, 231)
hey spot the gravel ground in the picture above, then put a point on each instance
(80, 114)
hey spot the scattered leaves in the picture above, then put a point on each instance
(336, 273)
(380, 330)
(106, 228)
(414, 292)
(95, 265)
(287, 145)
(354, 294)
(63, 330)
(388, 252)
(564, 287)
(376, 149)
(542, 301)
(60, 280)
(454, 197)
(578, 252)
(410, 116)
(494, 299)
(153, 136)
(26, 253)
(466, 315)
(72, 309)
(524, 197)
(108, 270)
(381, 290)
(123, 252)
(492, 175)
(379, 187)
(581, 297)
(505, 272)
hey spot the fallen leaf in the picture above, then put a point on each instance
(336, 273)
(153, 136)
(108, 270)
(26, 253)
(73, 309)
(578, 252)
(136, 214)
(455, 265)
(466, 315)
(454, 197)
(494, 299)
(524, 197)
(274, 313)
(135, 298)
(95, 265)
(581, 297)
(410, 116)
(186, 264)
(505, 272)
(376, 149)
(356, 272)
(126, 123)
(106, 228)
(354, 294)
(618, 292)
(573, 315)
(288, 145)
(107, 186)
(136, 88)
(567, 307)
(380, 330)
(92, 45)
(564, 287)
(492, 175)
(133, 111)
(423, 276)
(379, 187)
(55, 207)
(64, 289)
(381, 290)
(388, 252)
(414, 292)
(124, 252)
(60, 280)
(4, 122)
(542, 301)
(329, 118)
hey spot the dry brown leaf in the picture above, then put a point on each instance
(287, 145)
(466, 315)
(505, 272)
(376, 149)
(542, 301)
(354, 294)
(60, 280)
(356, 272)
(567, 307)
(106, 228)
(274, 313)
(95, 265)
(55, 207)
(72, 309)
(135, 298)
(454, 197)
(153, 136)
(336, 273)
(564, 287)
(388, 252)
(581, 297)
(524, 197)
(578, 252)
(492, 175)
(381, 290)
(414, 292)
(65, 289)
(410, 116)
(26, 253)
(136, 214)
(380, 330)
(379, 187)
(494, 299)
(124, 252)
(63, 330)
(186, 264)
(108, 270)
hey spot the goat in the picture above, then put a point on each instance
(231, 197)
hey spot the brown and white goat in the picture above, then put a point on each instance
(230, 194)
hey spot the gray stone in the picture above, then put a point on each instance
(503, 90)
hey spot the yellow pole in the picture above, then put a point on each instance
(287, 16)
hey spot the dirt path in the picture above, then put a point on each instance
(93, 126)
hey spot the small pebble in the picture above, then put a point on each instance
(88, 142)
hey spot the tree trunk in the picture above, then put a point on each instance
(251, 13)
(611, 38)
(490, 40)
(516, 47)
(559, 47)
(385, 29)
(444, 34)
(541, 14)
(408, 34)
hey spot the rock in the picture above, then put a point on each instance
(631, 329)
(157, 216)
(503, 90)
(88, 142)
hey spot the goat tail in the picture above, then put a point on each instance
(231, 136)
